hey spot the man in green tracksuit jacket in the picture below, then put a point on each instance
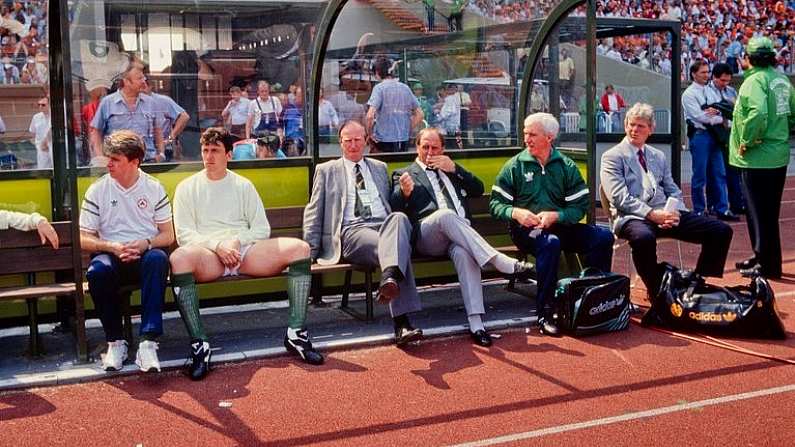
(542, 194)
(759, 146)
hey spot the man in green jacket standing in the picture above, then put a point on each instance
(541, 193)
(759, 147)
(456, 17)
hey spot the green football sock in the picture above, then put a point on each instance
(299, 280)
(188, 302)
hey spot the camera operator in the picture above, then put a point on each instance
(722, 96)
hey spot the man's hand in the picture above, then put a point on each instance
(132, 251)
(229, 252)
(406, 184)
(525, 218)
(47, 234)
(664, 219)
(711, 111)
(442, 162)
(548, 218)
(741, 150)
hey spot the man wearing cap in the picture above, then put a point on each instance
(763, 117)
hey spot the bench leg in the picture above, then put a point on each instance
(125, 310)
(33, 315)
(81, 342)
(346, 289)
(317, 291)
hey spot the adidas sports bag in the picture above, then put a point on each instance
(594, 302)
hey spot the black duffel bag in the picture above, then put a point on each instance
(593, 303)
(686, 301)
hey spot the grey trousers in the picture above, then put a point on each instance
(385, 244)
(445, 232)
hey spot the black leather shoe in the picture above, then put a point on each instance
(200, 354)
(547, 327)
(747, 264)
(407, 334)
(481, 338)
(728, 216)
(752, 271)
(523, 271)
(302, 347)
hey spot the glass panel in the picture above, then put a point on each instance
(630, 69)
(192, 57)
(460, 71)
(25, 137)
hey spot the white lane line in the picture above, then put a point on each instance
(628, 417)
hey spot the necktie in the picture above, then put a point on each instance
(360, 209)
(642, 160)
(448, 199)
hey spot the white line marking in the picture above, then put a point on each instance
(629, 416)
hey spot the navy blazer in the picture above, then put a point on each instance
(422, 201)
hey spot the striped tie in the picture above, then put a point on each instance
(359, 209)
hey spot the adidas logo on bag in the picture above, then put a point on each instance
(607, 305)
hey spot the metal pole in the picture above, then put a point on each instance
(590, 107)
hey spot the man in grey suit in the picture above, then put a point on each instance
(645, 204)
(349, 217)
(433, 192)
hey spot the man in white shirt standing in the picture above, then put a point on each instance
(236, 240)
(235, 113)
(125, 223)
(40, 129)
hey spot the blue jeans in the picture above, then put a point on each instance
(106, 273)
(707, 167)
(594, 243)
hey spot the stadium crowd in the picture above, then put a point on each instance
(716, 31)
(23, 42)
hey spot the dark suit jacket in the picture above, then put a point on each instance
(422, 201)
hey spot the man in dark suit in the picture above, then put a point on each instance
(645, 203)
(348, 217)
(433, 192)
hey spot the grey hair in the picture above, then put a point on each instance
(640, 110)
(547, 122)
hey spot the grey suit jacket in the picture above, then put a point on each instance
(324, 212)
(631, 191)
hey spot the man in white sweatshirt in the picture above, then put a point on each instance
(222, 230)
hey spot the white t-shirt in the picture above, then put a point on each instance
(123, 215)
(199, 220)
(39, 127)
(257, 107)
(238, 111)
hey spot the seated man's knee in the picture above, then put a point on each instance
(605, 238)
(398, 217)
(550, 244)
(300, 250)
(181, 259)
(99, 269)
(155, 258)
(643, 239)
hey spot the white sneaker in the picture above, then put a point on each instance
(116, 355)
(146, 357)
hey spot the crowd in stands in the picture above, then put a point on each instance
(23, 42)
(712, 30)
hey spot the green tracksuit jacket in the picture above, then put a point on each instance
(763, 116)
(524, 183)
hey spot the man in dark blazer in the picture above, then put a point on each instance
(349, 218)
(645, 203)
(433, 192)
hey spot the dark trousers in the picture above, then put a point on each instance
(456, 17)
(106, 273)
(714, 236)
(429, 10)
(594, 243)
(763, 189)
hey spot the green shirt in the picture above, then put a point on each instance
(763, 116)
(556, 186)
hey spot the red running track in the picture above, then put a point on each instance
(635, 388)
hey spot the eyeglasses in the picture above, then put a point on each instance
(41, 105)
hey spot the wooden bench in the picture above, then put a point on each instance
(22, 253)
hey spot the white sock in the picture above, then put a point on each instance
(475, 323)
(503, 263)
(292, 333)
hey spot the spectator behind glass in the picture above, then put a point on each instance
(235, 113)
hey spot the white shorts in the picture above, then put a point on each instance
(235, 271)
